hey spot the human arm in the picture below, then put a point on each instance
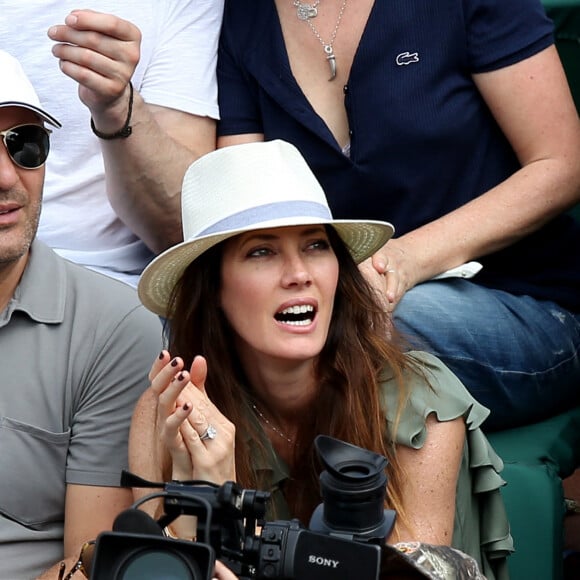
(107, 370)
(164, 438)
(144, 172)
(428, 493)
(88, 511)
(222, 572)
(227, 140)
(184, 413)
(532, 104)
(93, 509)
(170, 417)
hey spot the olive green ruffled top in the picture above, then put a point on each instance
(481, 526)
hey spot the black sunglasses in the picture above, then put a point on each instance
(27, 145)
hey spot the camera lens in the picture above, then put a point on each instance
(158, 565)
(127, 556)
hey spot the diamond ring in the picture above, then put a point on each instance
(209, 433)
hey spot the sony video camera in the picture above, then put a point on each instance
(343, 540)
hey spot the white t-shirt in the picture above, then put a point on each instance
(176, 70)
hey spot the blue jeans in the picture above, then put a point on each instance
(518, 356)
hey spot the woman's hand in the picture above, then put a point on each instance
(222, 572)
(391, 272)
(184, 414)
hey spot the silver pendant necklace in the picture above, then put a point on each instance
(273, 427)
(305, 11)
(327, 46)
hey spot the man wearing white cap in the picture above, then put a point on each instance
(74, 344)
(142, 76)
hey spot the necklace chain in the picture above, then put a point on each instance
(273, 427)
(327, 46)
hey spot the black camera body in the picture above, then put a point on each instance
(129, 556)
(287, 550)
(343, 540)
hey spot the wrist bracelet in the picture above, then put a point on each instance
(170, 533)
(125, 130)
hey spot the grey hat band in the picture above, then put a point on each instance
(254, 216)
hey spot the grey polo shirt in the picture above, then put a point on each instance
(75, 350)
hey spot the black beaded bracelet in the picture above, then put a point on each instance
(125, 130)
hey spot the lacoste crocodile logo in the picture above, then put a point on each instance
(406, 58)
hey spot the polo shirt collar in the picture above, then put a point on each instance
(41, 293)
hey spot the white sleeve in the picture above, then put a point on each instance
(181, 71)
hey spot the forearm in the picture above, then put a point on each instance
(144, 172)
(514, 209)
(54, 573)
(146, 458)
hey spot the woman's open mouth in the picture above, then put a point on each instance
(299, 315)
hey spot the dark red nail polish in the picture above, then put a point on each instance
(174, 362)
(186, 406)
(180, 377)
(160, 355)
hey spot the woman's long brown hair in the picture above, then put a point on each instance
(360, 351)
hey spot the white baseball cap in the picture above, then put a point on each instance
(17, 91)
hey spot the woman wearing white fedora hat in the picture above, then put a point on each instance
(275, 337)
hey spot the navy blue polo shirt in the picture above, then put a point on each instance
(423, 141)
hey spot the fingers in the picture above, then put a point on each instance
(176, 419)
(182, 405)
(387, 284)
(379, 262)
(158, 364)
(394, 264)
(180, 421)
(91, 29)
(222, 572)
(99, 51)
(163, 370)
(376, 281)
(171, 436)
(198, 422)
(212, 459)
(198, 372)
(393, 290)
(173, 394)
(184, 414)
(106, 24)
(173, 385)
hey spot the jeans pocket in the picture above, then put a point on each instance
(32, 473)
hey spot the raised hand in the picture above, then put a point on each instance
(100, 52)
(199, 438)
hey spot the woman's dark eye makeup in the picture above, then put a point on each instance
(258, 252)
(320, 244)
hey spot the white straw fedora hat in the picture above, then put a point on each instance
(17, 91)
(242, 188)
